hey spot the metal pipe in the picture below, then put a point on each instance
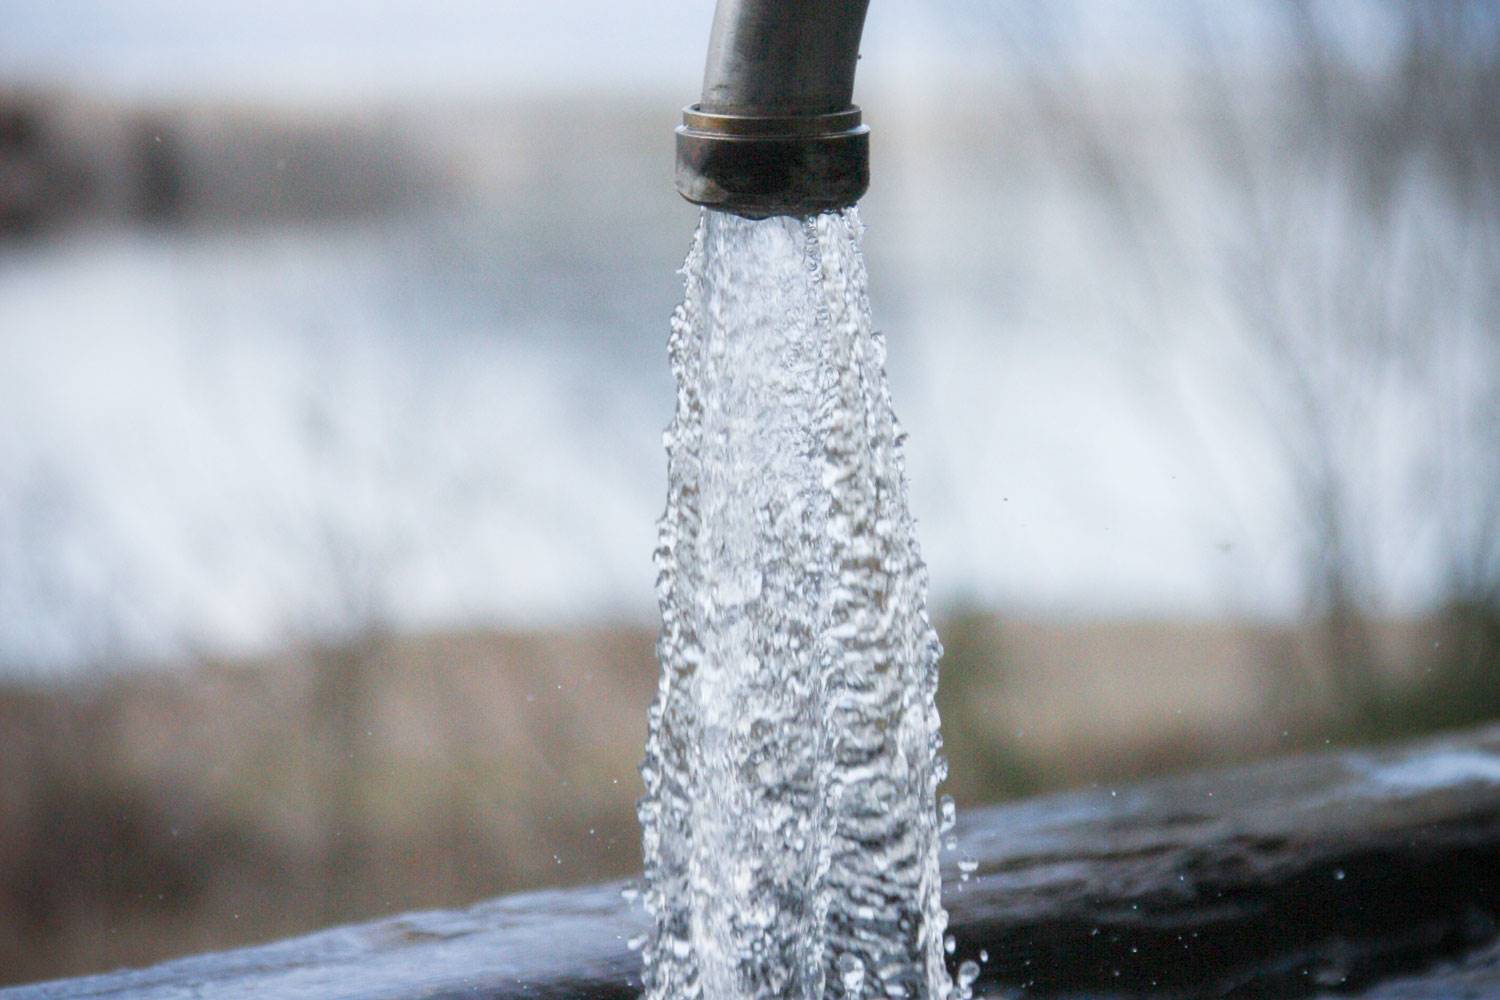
(776, 131)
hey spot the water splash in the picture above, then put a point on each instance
(790, 819)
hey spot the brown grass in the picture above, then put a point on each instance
(164, 813)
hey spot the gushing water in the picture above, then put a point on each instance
(790, 823)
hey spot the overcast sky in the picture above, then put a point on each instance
(342, 49)
(339, 48)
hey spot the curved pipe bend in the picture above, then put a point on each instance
(776, 131)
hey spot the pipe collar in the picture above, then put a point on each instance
(758, 166)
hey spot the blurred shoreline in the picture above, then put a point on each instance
(418, 350)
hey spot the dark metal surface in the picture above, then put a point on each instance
(783, 57)
(776, 132)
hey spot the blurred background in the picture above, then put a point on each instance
(332, 377)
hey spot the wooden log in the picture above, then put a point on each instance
(1371, 874)
(1283, 879)
(1476, 976)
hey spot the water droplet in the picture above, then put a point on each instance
(967, 973)
(851, 974)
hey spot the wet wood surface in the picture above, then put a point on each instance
(1370, 874)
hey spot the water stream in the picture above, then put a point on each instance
(790, 824)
